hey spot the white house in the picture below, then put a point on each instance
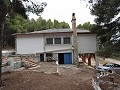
(55, 43)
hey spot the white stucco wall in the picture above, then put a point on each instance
(62, 46)
(86, 43)
(29, 44)
(35, 43)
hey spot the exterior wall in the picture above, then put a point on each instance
(86, 43)
(32, 44)
(55, 47)
(36, 43)
(29, 44)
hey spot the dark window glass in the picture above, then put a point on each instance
(66, 40)
(116, 65)
(57, 40)
(49, 54)
(49, 40)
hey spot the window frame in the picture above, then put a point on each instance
(58, 43)
(64, 40)
(49, 43)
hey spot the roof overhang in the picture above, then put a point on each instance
(51, 31)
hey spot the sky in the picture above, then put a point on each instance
(62, 10)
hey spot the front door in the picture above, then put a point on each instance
(67, 58)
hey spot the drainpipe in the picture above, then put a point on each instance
(75, 43)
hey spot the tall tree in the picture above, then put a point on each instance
(49, 24)
(41, 24)
(107, 20)
(56, 24)
(20, 25)
(59, 25)
(86, 26)
(31, 26)
(8, 7)
(3, 12)
(16, 25)
(64, 25)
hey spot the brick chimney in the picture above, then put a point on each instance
(75, 43)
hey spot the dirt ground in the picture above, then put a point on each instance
(49, 76)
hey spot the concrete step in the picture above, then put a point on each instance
(29, 63)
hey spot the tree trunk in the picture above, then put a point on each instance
(1, 40)
(2, 21)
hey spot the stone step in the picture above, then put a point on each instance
(30, 63)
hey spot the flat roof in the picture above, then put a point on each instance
(79, 31)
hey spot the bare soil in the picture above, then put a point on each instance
(48, 76)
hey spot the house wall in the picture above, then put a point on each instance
(29, 44)
(55, 47)
(86, 43)
(36, 43)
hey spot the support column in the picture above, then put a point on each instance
(84, 57)
(45, 57)
(89, 59)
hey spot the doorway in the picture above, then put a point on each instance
(65, 58)
(61, 58)
(41, 57)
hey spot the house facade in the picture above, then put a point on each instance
(62, 45)
(56, 43)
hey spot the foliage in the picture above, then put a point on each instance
(20, 25)
(105, 52)
(49, 24)
(35, 8)
(9, 10)
(59, 25)
(23, 6)
(107, 26)
(64, 25)
(86, 26)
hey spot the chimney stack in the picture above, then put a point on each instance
(75, 42)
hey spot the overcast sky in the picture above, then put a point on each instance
(62, 10)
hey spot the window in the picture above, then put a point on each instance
(49, 55)
(49, 40)
(57, 40)
(66, 40)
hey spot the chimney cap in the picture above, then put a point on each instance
(73, 14)
(73, 17)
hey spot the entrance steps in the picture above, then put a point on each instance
(28, 62)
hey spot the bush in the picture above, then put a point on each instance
(105, 52)
(108, 53)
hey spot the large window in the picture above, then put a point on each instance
(66, 40)
(57, 40)
(49, 40)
